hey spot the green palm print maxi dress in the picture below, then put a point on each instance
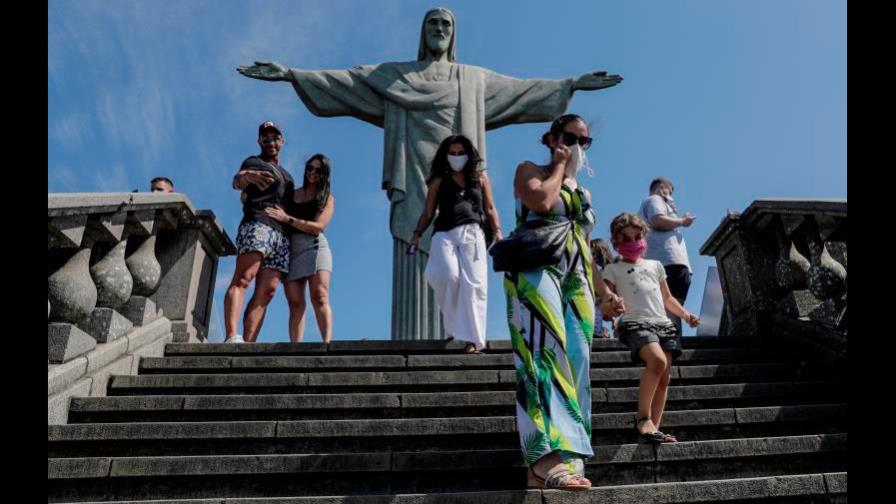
(550, 312)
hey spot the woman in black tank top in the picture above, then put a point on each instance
(310, 260)
(457, 267)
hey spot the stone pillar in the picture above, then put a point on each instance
(114, 285)
(72, 297)
(189, 260)
(147, 271)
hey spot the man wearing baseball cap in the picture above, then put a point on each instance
(262, 242)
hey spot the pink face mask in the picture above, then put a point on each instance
(631, 251)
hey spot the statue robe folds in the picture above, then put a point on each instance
(418, 104)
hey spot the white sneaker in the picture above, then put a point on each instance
(236, 338)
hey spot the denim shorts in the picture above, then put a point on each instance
(636, 335)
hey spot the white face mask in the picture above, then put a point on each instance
(458, 162)
(586, 164)
(667, 197)
(576, 161)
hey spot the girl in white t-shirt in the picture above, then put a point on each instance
(644, 327)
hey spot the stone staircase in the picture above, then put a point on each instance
(419, 422)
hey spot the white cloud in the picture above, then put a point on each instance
(72, 131)
(114, 179)
(62, 179)
(222, 281)
(310, 35)
(139, 117)
(156, 73)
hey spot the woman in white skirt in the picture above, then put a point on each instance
(457, 269)
(310, 261)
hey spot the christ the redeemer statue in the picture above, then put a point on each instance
(418, 104)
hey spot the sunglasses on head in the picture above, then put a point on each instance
(570, 139)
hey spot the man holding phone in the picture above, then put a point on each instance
(262, 243)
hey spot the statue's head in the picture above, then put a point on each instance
(438, 34)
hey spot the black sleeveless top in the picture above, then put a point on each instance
(307, 210)
(457, 205)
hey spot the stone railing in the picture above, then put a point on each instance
(782, 266)
(127, 273)
(114, 257)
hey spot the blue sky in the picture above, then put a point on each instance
(732, 100)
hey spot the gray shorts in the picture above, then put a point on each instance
(308, 255)
(636, 335)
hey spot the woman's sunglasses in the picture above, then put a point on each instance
(570, 139)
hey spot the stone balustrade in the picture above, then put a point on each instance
(120, 260)
(782, 266)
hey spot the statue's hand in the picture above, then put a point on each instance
(265, 70)
(596, 80)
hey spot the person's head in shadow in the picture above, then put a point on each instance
(161, 184)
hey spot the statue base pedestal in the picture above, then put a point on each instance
(415, 313)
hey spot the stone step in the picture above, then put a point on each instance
(272, 363)
(197, 407)
(457, 381)
(373, 347)
(792, 489)
(104, 478)
(415, 434)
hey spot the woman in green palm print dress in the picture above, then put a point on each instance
(550, 312)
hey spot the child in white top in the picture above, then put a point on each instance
(644, 326)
